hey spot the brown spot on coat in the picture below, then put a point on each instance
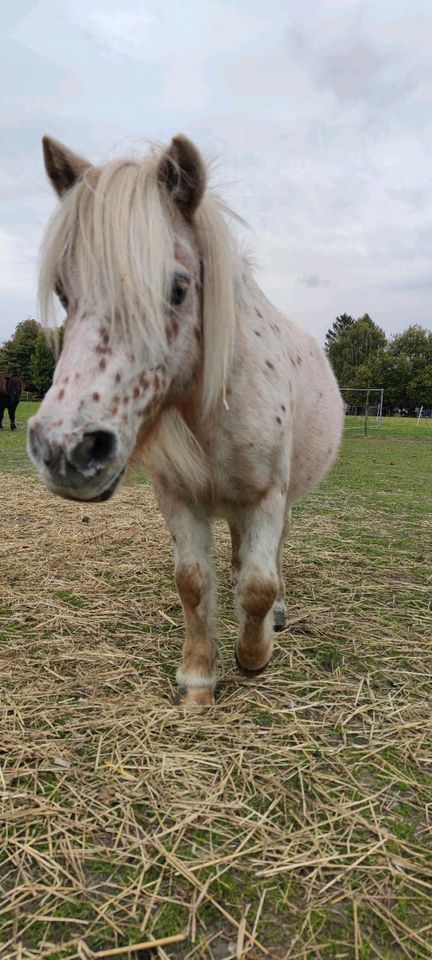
(102, 364)
(269, 364)
(136, 393)
(95, 397)
(117, 377)
(258, 313)
(258, 595)
(125, 401)
(172, 330)
(61, 394)
(257, 333)
(278, 419)
(191, 584)
(283, 407)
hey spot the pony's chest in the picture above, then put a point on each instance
(243, 469)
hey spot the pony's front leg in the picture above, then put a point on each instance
(196, 584)
(258, 585)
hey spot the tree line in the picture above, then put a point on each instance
(362, 356)
(359, 351)
(31, 352)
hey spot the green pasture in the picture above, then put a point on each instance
(13, 456)
(293, 821)
(389, 427)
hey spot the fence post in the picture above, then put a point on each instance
(366, 412)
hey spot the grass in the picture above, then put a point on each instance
(13, 456)
(397, 427)
(293, 820)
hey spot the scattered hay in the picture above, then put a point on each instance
(290, 821)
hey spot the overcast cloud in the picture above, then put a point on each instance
(317, 113)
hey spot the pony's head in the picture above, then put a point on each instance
(142, 262)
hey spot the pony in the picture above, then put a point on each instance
(11, 387)
(173, 357)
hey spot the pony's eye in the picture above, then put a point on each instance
(179, 290)
(61, 295)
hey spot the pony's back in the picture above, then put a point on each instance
(11, 385)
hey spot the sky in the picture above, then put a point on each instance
(316, 116)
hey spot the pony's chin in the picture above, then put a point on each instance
(82, 497)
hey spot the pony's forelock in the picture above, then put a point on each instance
(114, 232)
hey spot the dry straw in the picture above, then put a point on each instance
(291, 821)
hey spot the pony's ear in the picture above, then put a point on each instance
(63, 167)
(182, 173)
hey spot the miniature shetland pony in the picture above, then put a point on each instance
(174, 357)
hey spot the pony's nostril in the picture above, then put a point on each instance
(104, 445)
(38, 446)
(94, 451)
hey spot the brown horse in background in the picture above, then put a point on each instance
(11, 387)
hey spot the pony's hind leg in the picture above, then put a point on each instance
(11, 410)
(191, 533)
(259, 582)
(279, 608)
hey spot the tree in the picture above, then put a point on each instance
(355, 346)
(31, 352)
(16, 354)
(403, 368)
(415, 342)
(44, 359)
(343, 322)
(414, 346)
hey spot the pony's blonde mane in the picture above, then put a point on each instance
(114, 234)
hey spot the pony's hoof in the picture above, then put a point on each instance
(196, 698)
(248, 669)
(279, 616)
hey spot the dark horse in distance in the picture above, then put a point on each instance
(10, 391)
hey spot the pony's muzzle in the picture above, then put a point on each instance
(85, 466)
